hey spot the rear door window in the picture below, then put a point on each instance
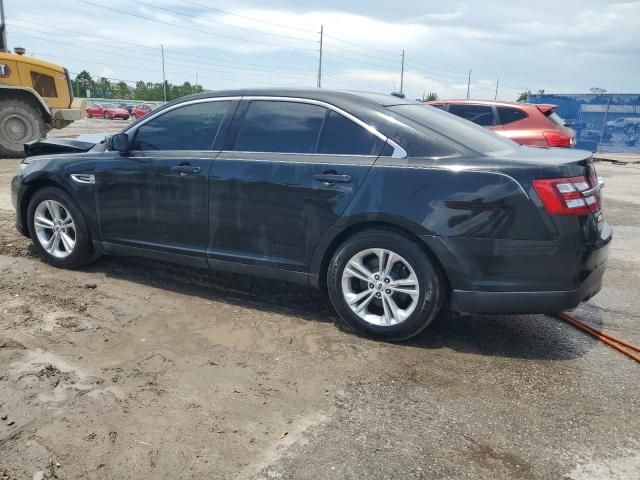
(479, 114)
(342, 136)
(464, 133)
(281, 127)
(510, 114)
(192, 127)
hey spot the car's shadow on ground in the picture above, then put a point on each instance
(515, 336)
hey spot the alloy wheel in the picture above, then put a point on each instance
(380, 286)
(55, 228)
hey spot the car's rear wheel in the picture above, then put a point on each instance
(384, 285)
(105, 116)
(58, 230)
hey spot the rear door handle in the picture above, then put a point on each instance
(185, 169)
(332, 178)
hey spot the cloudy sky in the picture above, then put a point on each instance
(559, 46)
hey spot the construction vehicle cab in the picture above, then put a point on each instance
(35, 96)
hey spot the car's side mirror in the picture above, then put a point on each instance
(118, 142)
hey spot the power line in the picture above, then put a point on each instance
(93, 61)
(198, 66)
(223, 24)
(421, 65)
(144, 17)
(386, 52)
(56, 29)
(154, 52)
(441, 77)
(226, 12)
(86, 48)
(364, 62)
(109, 78)
(342, 49)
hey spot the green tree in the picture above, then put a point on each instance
(103, 88)
(122, 91)
(140, 92)
(524, 96)
(82, 83)
(431, 96)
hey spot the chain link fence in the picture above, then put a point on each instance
(603, 122)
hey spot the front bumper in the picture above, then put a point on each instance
(527, 302)
(16, 193)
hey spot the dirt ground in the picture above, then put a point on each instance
(132, 369)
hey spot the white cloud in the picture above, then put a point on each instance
(552, 45)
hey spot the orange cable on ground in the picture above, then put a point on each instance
(610, 340)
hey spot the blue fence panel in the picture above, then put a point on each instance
(602, 122)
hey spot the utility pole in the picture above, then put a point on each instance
(496, 95)
(164, 78)
(3, 29)
(320, 58)
(402, 74)
(468, 84)
(196, 79)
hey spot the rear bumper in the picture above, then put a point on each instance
(527, 302)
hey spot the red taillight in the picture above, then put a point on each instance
(568, 196)
(557, 139)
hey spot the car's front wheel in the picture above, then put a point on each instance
(105, 115)
(58, 230)
(383, 284)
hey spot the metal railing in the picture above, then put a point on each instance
(608, 122)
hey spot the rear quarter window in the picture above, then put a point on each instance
(467, 134)
(510, 114)
(479, 114)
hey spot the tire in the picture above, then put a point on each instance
(82, 251)
(20, 122)
(413, 313)
(105, 115)
(89, 115)
(125, 118)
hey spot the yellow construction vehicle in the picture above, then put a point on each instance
(35, 96)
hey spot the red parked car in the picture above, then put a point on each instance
(525, 123)
(107, 110)
(140, 110)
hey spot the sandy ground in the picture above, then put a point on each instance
(133, 369)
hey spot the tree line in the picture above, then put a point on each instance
(148, 91)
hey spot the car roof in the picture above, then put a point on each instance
(329, 96)
(492, 102)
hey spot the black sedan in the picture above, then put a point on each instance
(397, 209)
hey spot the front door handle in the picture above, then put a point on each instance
(185, 169)
(332, 178)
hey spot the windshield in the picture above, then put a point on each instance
(457, 129)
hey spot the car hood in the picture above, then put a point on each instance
(52, 146)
